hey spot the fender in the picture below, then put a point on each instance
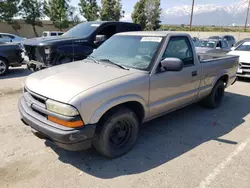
(4, 56)
(220, 74)
(115, 102)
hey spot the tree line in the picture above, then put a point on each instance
(146, 12)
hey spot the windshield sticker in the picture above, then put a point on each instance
(95, 25)
(246, 44)
(151, 39)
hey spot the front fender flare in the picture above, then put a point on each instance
(115, 102)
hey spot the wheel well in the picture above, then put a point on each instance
(225, 79)
(1, 57)
(135, 106)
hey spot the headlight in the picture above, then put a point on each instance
(60, 108)
(47, 51)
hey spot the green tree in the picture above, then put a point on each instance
(111, 10)
(73, 16)
(57, 11)
(153, 13)
(9, 9)
(139, 14)
(32, 13)
(89, 9)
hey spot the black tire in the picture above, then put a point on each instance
(214, 99)
(4, 67)
(117, 133)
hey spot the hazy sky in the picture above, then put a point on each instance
(129, 4)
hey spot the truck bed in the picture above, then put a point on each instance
(204, 58)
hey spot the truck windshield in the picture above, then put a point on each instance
(243, 47)
(206, 44)
(82, 30)
(129, 51)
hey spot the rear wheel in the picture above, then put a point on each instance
(117, 133)
(4, 67)
(215, 98)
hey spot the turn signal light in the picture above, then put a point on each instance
(72, 124)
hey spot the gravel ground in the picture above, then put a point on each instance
(193, 147)
(13, 81)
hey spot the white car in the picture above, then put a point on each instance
(7, 37)
(51, 33)
(243, 50)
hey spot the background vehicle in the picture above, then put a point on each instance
(229, 38)
(212, 46)
(132, 78)
(10, 55)
(243, 50)
(239, 43)
(52, 33)
(6, 37)
(75, 44)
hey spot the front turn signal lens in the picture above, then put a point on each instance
(72, 124)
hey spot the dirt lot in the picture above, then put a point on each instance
(193, 147)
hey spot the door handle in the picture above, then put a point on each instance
(194, 73)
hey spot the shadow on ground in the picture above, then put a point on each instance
(165, 138)
(16, 72)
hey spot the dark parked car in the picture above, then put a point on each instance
(212, 46)
(75, 44)
(229, 38)
(10, 56)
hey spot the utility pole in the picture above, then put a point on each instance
(192, 12)
(247, 16)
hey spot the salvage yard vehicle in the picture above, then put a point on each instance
(212, 46)
(10, 56)
(75, 44)
(7, 37)
(243, 50)
(132, 78)
(229, 38)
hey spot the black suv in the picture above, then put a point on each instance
(75, 44)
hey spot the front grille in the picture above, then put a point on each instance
(245, 64)
(35, 101)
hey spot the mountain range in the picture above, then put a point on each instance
(209, 14)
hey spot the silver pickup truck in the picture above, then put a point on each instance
(132, 78)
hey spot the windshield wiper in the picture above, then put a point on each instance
(92, 58)
(111, 62)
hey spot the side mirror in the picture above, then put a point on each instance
(172, 64)
(100, 38)
(233, 48)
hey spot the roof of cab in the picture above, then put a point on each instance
(151, 33)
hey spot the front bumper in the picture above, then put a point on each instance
(64, 137)
(35, 65)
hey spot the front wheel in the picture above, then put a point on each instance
(215, 98)
(117, 134)
(4, 67)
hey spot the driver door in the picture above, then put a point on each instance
(172, 90)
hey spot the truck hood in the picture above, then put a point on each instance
(244, 55)
(63, 82)
(40, 41)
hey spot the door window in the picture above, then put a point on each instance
(108, 31)
(180, 47)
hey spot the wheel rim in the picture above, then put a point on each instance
(120, 134)
(219, 94)
(2, 67)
